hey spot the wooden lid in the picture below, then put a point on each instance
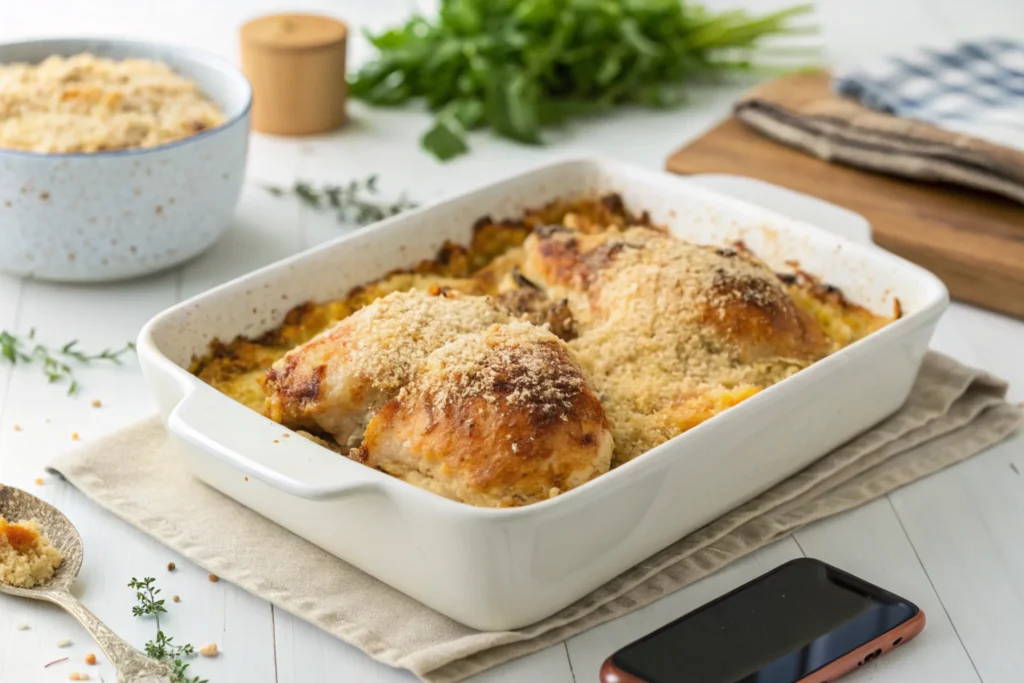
(293, 32)
(296, 65)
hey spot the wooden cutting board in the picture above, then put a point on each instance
(973, 241)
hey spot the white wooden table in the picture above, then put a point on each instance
(952, 543)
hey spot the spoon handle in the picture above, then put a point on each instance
(132, 666)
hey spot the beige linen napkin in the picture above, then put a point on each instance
(953, 413)
(800, 110)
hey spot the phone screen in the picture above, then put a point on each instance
(777, 629)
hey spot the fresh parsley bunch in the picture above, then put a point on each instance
(517, 65)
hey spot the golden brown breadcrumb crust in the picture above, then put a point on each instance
(495, 418)
(339, 378)
(772, 325)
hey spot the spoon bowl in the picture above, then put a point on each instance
(16, 505)
(131, 665)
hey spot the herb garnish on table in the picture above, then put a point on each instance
(55, 361)
(162, 648)
(355, 200)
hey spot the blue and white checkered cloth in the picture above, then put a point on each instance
(975, 88)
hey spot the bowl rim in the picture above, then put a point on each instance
(201, 56)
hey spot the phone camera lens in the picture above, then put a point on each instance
(873, 655)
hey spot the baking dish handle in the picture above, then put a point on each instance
(267, 451)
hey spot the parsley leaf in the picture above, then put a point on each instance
(515, 66)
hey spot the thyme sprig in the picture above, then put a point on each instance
(15, 349)
(162, 648)
(355, 201)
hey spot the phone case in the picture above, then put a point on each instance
(826, 674)
(853, 659)
(868, 651)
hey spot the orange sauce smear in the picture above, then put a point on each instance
(19, 537)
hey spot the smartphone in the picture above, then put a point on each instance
(802, 622)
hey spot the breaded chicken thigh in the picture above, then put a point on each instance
(336, 381)
(498, 418)
(670, 332)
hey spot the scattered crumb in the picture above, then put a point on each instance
(213, 578)
(96, 403)
(171, 566)
(39, 481)
(287, 436)
(56, 661)
(247, 478)
(77, 676)
(64, 642)
(17, 428)
(208, 650)
(276, 441)
(90, 659)
(22, 626)
(74, 436)
(175, 598)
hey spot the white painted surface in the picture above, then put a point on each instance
(951, 542)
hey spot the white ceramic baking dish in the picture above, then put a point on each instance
(502, 569)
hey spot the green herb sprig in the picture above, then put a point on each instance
(162, 648)
(354, 201)
(515, 66)
(15, 349)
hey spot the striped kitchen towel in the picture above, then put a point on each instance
(975, 88)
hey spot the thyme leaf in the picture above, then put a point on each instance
(353, 202)
(54, 361)
(162, 648)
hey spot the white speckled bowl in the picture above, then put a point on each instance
(114, 215)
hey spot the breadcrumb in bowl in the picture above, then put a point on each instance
(85, 103)
(122, 157)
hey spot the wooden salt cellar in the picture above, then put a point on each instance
(296, 65)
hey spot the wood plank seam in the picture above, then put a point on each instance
(14, 326)
(273, 639)
(938, 595)
(572, 672)
(800, 547)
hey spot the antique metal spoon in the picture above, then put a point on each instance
(131, 665)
